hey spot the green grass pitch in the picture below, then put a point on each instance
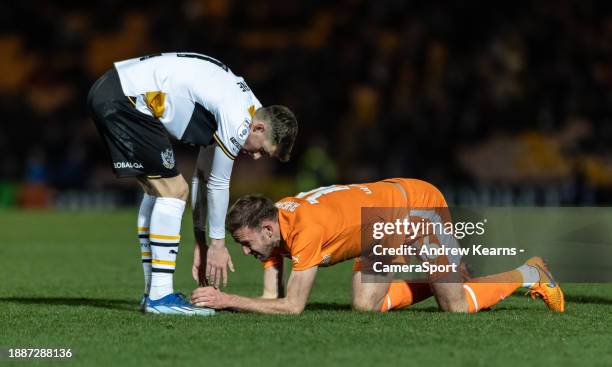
(74, 280)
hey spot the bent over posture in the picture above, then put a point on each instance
(324, 226)
(137, 107)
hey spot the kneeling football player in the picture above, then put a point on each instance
(323, 227)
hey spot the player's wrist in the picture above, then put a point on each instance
(227, 300)
(218, 243)
(216, 232)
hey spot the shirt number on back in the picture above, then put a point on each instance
(195, 56)
(312, 195)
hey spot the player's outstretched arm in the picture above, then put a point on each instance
(199, 182)
(273, 286)
(298, 289)
(218, 258)
(198, 211)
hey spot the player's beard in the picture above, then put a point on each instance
(266, 251)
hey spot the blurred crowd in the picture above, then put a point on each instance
(475, 94)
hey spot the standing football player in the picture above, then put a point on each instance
(196, 99)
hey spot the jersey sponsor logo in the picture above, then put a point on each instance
(127, 165)
(236, 143)
(295, 259)
(243, 130)
(168, 158)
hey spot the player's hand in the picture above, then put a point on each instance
(208, 297)
(218, 260)
(197, 271)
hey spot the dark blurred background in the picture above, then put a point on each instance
(498, 103)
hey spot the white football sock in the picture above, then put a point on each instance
(165, 237)
(530, 275)
(144, 219)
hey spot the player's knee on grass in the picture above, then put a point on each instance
(368, 296)
(450, 297)
(366, 305)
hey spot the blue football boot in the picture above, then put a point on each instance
(176, 304)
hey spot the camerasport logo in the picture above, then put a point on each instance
(127, 165)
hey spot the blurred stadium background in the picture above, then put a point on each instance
(494, 102)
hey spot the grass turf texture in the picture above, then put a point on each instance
(74, 280)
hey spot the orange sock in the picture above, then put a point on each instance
(487, 291)
(402, 294)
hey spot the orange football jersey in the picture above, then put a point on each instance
(323, 227)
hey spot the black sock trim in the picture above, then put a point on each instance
(158, 270)
(161, 244)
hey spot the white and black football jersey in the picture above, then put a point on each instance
(196, 97)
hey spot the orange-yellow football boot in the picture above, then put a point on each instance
(546, 287)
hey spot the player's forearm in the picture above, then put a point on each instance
(198, 205)
(218, 200)
(273, 286)
(199, 192)
(260, 305)
(218, 194)
(298, 287)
